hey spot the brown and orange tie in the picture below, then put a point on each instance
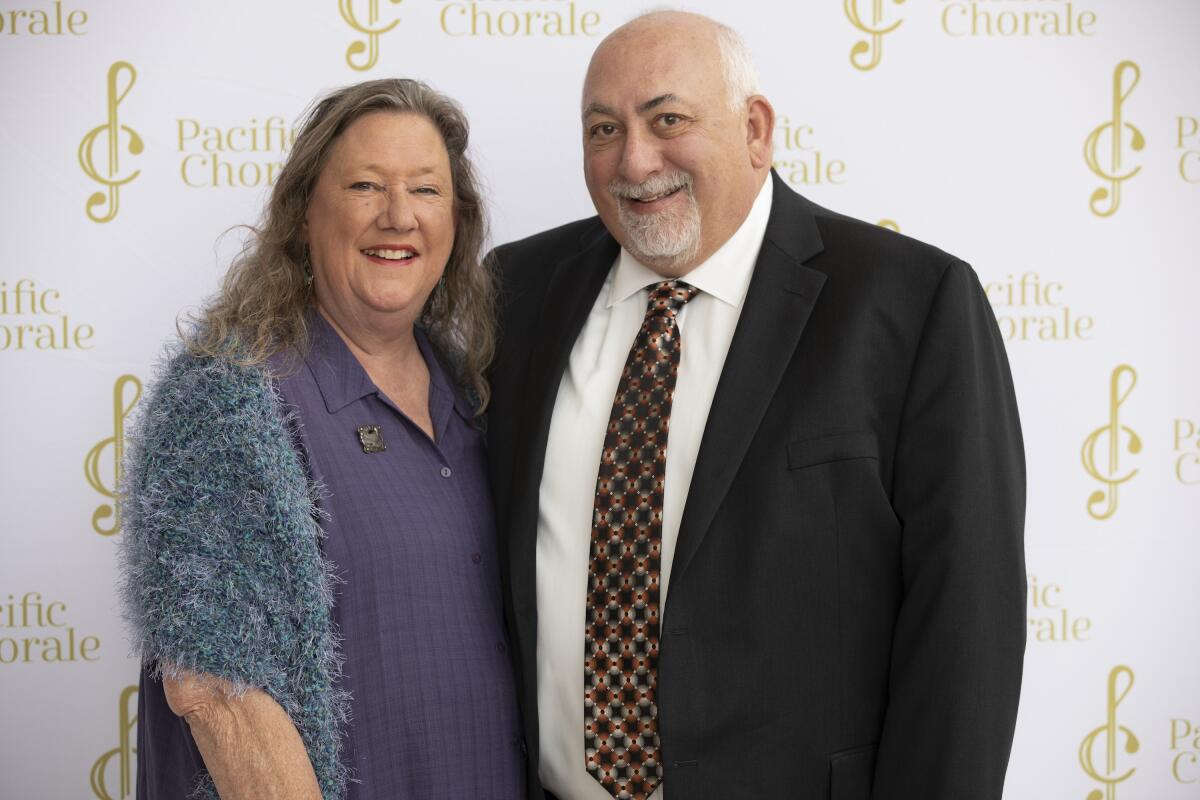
(620, 659)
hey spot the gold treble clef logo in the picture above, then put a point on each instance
(876, 29)
(123, 753)
(371, 45)
(1110, 732)
(1115, 130)
(1102, 503)
(91, 464)
(111, 130)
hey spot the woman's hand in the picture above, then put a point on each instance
(248, 742)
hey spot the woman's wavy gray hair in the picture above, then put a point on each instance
(262, 306)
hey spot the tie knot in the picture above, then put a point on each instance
(669, 296)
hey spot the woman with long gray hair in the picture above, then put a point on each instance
(309, 561)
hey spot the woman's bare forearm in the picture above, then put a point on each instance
(249, 744)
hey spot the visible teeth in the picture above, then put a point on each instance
(391, 255)
(658, 196)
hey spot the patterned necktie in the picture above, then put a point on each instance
(620, 659)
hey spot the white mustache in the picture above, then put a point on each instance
(656, 185)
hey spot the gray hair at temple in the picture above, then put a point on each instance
(262, 306)
(741, 78)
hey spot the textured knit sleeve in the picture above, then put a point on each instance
(221, 561)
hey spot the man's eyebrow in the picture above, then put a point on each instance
(656, 101)
(600, 108)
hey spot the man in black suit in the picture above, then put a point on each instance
(839, 520)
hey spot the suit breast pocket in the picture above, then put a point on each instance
(831, 447)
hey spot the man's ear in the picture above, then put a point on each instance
(760, 131)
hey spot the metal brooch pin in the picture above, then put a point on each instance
(371, 438)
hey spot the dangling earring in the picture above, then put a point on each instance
(306, 266)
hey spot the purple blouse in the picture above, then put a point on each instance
(410, 532)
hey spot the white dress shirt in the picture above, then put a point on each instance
(576, 440)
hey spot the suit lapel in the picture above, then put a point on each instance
(779, 300)
(570, 293)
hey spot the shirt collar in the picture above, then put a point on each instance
(339, 376)
(342, 380)
(725, 275)
(440, 378)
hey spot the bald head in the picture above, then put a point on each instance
(675, 152)
(721, 45)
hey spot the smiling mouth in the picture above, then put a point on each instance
(656, 197)
(392, 255)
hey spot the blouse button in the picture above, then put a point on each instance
(500, 648)
(476, 557)
(446, 472)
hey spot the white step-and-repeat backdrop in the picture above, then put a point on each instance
(1054, 145)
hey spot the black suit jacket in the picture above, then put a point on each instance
(846, 616)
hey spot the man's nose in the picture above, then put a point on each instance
(640, 157)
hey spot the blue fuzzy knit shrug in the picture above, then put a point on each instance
(221, 561)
